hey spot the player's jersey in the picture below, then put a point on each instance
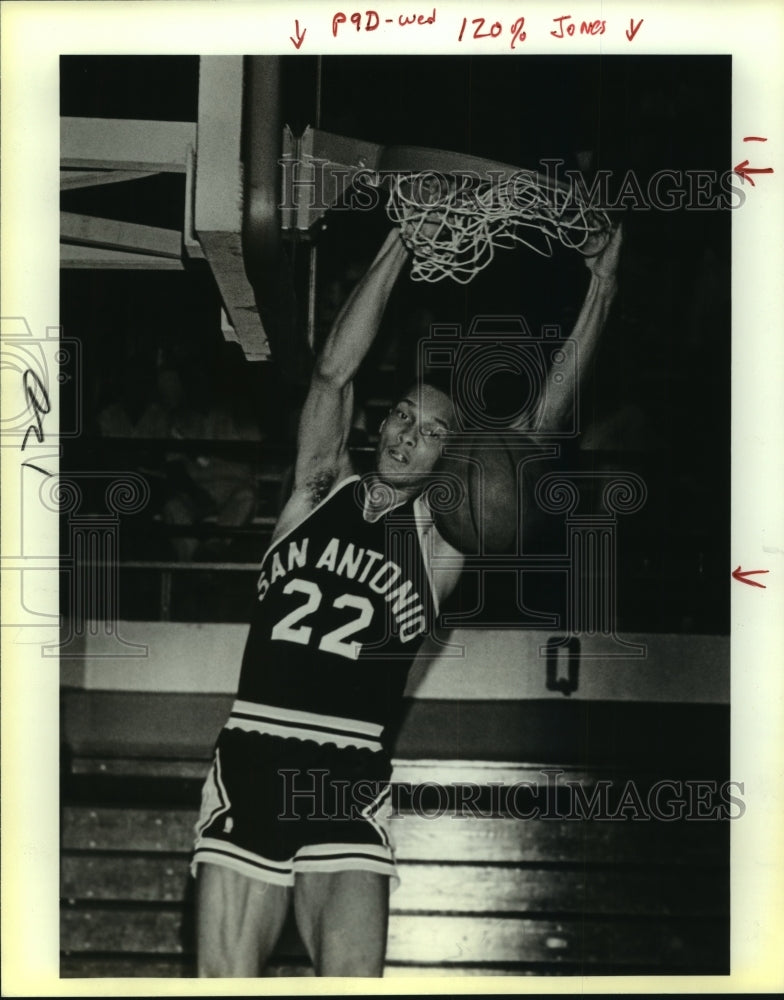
(343, 604)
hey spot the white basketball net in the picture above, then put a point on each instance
(453, 228)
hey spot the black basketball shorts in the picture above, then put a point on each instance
(274, 806)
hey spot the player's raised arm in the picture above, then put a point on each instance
(322, 455)
(556, 403)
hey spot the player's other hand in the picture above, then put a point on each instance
(603, 264)
(420, 225)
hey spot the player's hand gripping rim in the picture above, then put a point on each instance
(603, 262)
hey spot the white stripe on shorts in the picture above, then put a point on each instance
(335, 857)
(221, 852)
(253, 717)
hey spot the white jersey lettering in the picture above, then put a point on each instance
(349, 563)
(354, 563)
(373, 557)
(277, 568)
(298, 556)
(388, 567)
(398, 596)
(410, 630)
(329, 556)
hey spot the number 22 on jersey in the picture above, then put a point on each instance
(292, 627)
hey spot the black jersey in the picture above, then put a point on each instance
(343, 604)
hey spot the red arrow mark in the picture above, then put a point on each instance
(741, 574)
(632, 31)
(745, 171)
(300, 38)
(753, 138)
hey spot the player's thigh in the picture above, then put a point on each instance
(238, 921)
(343, 919)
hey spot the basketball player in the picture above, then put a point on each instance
(350, 585)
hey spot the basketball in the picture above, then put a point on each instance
(487, 509)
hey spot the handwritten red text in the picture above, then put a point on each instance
(633, 28)
(370, 20)
(566, 26)
(481, 29)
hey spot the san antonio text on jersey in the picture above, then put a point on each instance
(343, 604)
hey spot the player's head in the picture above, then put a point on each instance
(413, 433)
